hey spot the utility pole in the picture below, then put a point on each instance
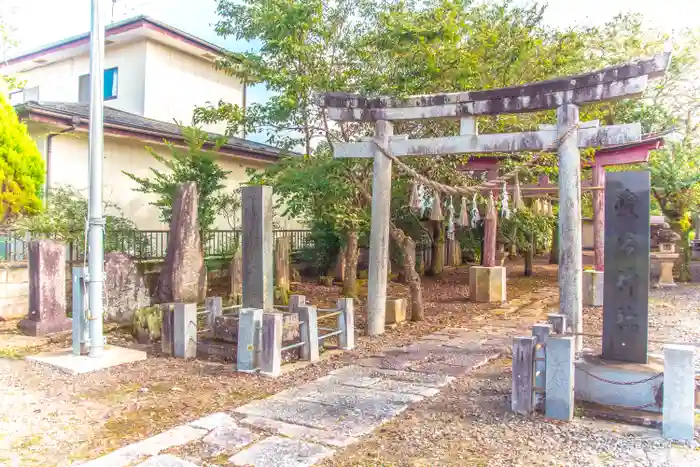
(96, 221)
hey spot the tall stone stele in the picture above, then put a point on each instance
(47, 289)
(181, 278)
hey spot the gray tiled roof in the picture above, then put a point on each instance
(138, 123)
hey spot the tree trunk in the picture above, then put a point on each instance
(685, 250)
(554, 252)
(529, 256)
(438, 248)
(352, 255)
(408, 248)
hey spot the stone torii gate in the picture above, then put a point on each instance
(563, 94)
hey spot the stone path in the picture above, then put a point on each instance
(301, 426)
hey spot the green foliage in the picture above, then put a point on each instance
(21, 167)
(326, 247)
(522, 224)
(675, 179)
(196, 164)
(65, 218)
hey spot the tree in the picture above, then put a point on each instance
(675, 183)
(65, 217)
(21, 167)
(196, 164)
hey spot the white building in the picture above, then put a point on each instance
(155, 75)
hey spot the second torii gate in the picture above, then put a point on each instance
(564, 94)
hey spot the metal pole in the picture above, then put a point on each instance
(570, 249)
(95, 219)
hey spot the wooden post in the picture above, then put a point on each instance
(523, 369)
(282, 267)
(599, 217)
(570, 260)
(379, 234)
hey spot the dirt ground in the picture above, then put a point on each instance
(51, 419)
(48, 418)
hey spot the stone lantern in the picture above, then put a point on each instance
(666, 255)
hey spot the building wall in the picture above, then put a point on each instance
(68, 166)
(177, 82)
(59, 81)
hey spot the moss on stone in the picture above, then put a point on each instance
(147, 323)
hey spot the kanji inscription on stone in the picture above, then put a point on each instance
(626, 295)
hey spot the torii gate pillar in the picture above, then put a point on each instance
(570, 248)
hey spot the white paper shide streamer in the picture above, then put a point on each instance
(505, 210)
(463, 220)
(450, 219)
(476, 218)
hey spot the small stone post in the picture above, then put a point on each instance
(346, 323)
(47, 289)
(185, 330)
(249, 344)
(271, 356)
(309, 333)
(214, 306)
(258, 288)
(570, 249)
(379, 232)
(558, 322)
(559, 403)
(541, 332)
(395, 310)
(282, 266)
(679, 392)
(523, 377)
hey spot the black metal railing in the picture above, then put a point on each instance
(145, 244)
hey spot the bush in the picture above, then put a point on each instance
(21, 167)
(326, 247)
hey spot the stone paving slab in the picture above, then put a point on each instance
(338, 419)
(229, 438)
(166, 460)
(298, 432)
(425, 379)
(339, 394)
(214, 420)
(281, 452)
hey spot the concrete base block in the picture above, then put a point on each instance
(591, 389)
(666, 273)
(487, 284)
(593, 288)
(44, 328)
(64, 360)
(395, 310)
(679, 392)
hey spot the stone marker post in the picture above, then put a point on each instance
(249, 345)
(346, 323)
(559, 401)
(558, 322)
(679, 392)
(523, 375)
(258, 289)
(167, 331)
(271, 355)
(47, 289)
(570, 248)
(182, 276)
(309, 333)
(626, 295)
(593, 286)
(541, 332)
(214, 305)
(185, 330)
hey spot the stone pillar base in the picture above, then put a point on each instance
(44, 328)
(666, 266)
(487, 284)
(593, 288)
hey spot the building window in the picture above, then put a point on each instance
(24, 95)
(110, 85)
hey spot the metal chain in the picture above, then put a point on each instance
(621, 383)
(469, 190)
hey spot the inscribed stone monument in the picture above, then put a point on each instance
(47, 289)
(626, 295)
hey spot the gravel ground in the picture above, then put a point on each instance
(470, 424)
(51, 419)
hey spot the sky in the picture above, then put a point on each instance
(39, 22)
